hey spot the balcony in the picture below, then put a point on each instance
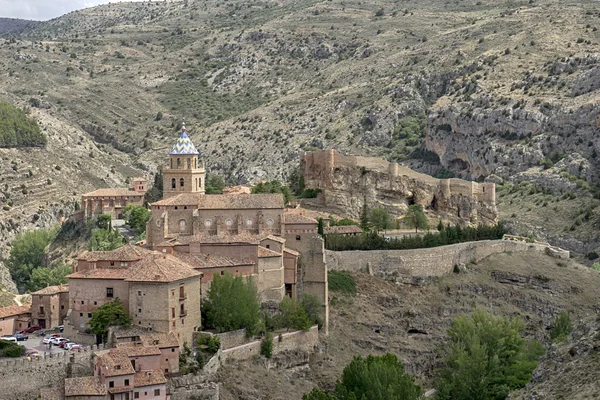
(182, 313)
(182, 297)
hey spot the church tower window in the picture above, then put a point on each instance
(181, 182)
(189, 164)
(179, 163)
(173, 183)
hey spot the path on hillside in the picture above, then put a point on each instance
(124, 230)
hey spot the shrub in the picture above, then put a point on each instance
(294, 316)
(212, 343)
(27, 254)
(108, 314)
(486, 355)
(17, 129)
(562, 327)
(266, 347)
(343, 282)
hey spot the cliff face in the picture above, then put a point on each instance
(347, 182)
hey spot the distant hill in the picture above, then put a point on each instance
(10, 27)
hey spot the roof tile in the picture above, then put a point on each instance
(158, 267)
(113, 192)
(53, 290)
(14, 310)
(84, 386)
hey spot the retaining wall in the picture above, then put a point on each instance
(406, 265)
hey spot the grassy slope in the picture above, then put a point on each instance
(411, 321)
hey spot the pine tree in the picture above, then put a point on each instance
(321, 227)
(365, 224)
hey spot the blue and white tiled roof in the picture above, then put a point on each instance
(184, 146)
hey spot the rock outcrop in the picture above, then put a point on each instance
(347, 182)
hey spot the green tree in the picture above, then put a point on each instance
(44, 276)
(105, 240)
(321, 227)
(293, 315)
(104, 221)
(159, 116)
(232, 303)
(372, 378)
(274, 186)
(313, 308)
(27, 254)
(17, 129)
(365, 224)
(137, 217)
(415, 217)
(379, 219)
(562, 327)
(109, 314)
(156, 191)
(214, 184)
(487, 358)
(266, 346)
(440, 226)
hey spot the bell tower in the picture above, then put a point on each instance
(185, 173)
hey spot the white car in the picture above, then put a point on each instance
(9, 338)
(56, 340)
(47, 339)
(69, 345)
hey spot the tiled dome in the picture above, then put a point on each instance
(184, 146)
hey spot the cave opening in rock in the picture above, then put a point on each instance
(458, 165)
(434, 203)
(410, 200)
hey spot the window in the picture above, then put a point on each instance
(182, 321)
(173, 183)
(139, 310)
(41, 310)
(173, 324)
(112, 263)
(109, 292)
(182, 292)
(182, 225)
(189, 164)
(126, 382)
(222, 273)
(172, 350)
(123, 264)
(166, 370)
(82, 302)
(298, 237)
(181, 182)
(89, 315)
(173, 312)
(81, 314)
(136, 395)
(126, 396)
(62, 307)
(157, 392)
(139, 292)
(179, 163)
(133, 363)
(95, 303)
(181, 309)
(111, 384)
(268, 246)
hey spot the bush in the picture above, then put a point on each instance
(561, 329)
(27, 254)
(11, 349)
(372, 378)
(212, 343)
(266, 347)
(232, 303)
(18, 130)
(137, 217)
(343, 282)
(109, 314)
(486, 355)
(293, 315)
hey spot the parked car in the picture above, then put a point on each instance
(69, 345)
(58, 340)
(61, 328)
(63, 344)
(24, 332)
(32, 354)
(9, 338)
(76, 347)
(33, 328)
(21, 336)
(47, 339)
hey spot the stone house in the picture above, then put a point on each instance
(14, 318)
(158, 290)
(49, 306)
(122, 373)
(345, 230)
(112, 201)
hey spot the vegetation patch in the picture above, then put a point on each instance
(17, 129)
(342, 282)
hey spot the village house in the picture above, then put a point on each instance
(49, 306)
(112, 201)
(344, 230)
(14, 318)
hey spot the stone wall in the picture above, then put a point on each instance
(347, 182)
(21, 379)
(408, 265)
(292, 341)
(192, 387)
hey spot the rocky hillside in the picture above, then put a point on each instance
(482, 90)
(411, 321)
(13, 27)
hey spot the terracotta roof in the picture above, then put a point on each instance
(291, 251)
(182, 199)
(342, 229)
(85, 386)
(148, 378)
(124, 253)
(294, 218)
(115, 362)
(160, 339)
(113, 192)
(240, 201)
(139, 178)
(208, 261)
(158, 267)
(224, 238)
(14, 310)
(275, 238)
(99, 273)
(138, 350)
(263, 252)
(53, 290)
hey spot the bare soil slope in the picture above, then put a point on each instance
(411, 321)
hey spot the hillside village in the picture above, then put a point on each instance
(367, 200)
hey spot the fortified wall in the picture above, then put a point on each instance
(410, 266)
(346, 182)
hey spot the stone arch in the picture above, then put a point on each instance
(178, 163)
(173, 183)
(181, 182)
(189, 164)
(182, 226)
